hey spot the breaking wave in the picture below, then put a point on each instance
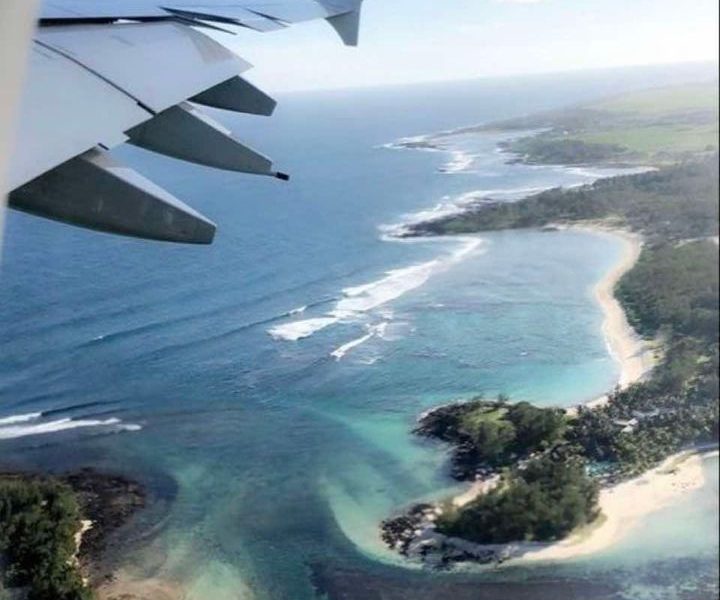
(296, 330)
(11, 420)
(373, 331)
(358, 300)
(459, 161)
(449, 206)
(18, 426)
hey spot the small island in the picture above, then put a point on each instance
(541, 475)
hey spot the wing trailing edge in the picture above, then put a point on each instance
(94, 191)
(104, 73)
(183, 132)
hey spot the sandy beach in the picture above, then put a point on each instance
(635, 356)
(624, 505)
(621, 505)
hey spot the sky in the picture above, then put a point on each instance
(408, 41)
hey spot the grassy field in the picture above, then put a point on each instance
(655, 139)
(702, 96)
(676, 119)
(471, 421)
(656, 126)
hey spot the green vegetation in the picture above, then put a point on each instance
(673, 99)
(542, 499)
(671, 294)
(546, 149)
(490, 434)
(657, 126)
(38, 522)
(672, 290)
(674, 203)
(659, 143)
(674, 286)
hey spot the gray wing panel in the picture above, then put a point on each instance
(184, 132)
(158, 64)
(65, 111)
(88, 84)
(236, 15)
(94, 191)
(291, 11)
(237, 95)
(104, 72)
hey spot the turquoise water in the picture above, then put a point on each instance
(273, 458)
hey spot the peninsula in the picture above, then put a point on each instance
(550, 483)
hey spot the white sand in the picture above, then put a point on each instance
(636, 356)
(85, 525)
(624, 505)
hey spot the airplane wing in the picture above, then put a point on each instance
(106, 72)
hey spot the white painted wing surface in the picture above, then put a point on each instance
(103, 72)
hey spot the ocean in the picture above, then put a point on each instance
(264, 388)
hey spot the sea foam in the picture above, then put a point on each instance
(373, 331)
(296, 330)
(459, 161)
(449, 206)
(18, 426)
(358, 300)
(19, 418)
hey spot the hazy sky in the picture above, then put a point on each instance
(405, 41)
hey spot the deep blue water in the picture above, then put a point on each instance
(158, 360)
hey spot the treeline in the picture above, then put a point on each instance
(674, 287)
(673, 203)
(672, 290)
(38, 523)
(487, 434)
(542, 499)
(541, 149)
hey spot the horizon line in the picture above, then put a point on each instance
(709, 62)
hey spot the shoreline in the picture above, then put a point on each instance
(622, 505)
(636, 356)
(625, 504)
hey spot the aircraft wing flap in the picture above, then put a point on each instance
(104, 72)
(226, 14)
(238, 95)
(184, 132)
(93, 190)
(290, 12)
